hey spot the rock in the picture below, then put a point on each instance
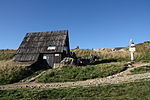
(65, 62)
(68, 61)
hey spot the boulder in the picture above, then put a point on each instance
(68, 61)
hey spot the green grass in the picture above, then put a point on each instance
(127, 91)
(14, 75)
(77, 73)
(11, 72)
(32, 76)
(140, 70)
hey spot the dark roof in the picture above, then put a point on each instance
(35, 43)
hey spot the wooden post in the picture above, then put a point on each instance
(132, 56)
(132, 50)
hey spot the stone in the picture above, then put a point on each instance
(68, 61)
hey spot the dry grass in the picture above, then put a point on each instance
(120, 55)
(142, 53)
(7, 54)
(11, 72)
(10, 65)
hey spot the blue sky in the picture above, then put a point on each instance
(91, 23)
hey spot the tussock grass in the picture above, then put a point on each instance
(77, 73)
(127, 91)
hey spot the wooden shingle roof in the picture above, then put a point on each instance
(35, 43)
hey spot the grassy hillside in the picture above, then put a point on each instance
(7, 54)
(127, 91)
(11, 72)
(78, 73)
(140, 70)
(117, 55)
(142, 53)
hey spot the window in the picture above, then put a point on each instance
(44, 57)
(51, 48)
(56, 55)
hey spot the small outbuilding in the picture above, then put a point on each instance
(51, 46)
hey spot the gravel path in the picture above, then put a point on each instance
(115, 79)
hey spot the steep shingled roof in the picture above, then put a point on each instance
(35, 43)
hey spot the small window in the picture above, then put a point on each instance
(56, 55)
(51, 48)
(44, 57)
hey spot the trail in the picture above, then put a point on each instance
(122, 77)
(32, 78)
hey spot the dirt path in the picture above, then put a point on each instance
(114, 79)
(32, 78)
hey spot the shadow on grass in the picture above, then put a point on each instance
(37, 66)
(22, 73)
(88, 62)
(104, 61)
(40, 65)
